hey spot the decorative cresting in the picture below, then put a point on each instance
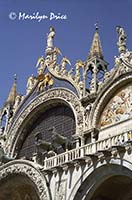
(105, 96)
(119, 107)
(60, 94)
(28, 169)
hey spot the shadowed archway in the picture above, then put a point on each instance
(107, 182)
(116, 187)
(17, 187)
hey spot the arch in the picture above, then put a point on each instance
(59, 116)
(60, 95)
(94, 176)
(29, 171)
(105, 95)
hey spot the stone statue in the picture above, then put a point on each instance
(30, 83)
(17, 102)
(121, 39)
(50, 37)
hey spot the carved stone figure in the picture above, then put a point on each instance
(50, 37)
(121, 39)
(30, 83)
(17, 102)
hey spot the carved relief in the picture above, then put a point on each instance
(26, 170)
(119, 108)
(60, 190)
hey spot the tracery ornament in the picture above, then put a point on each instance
(60, 94)
(27, 169)
(119, 107)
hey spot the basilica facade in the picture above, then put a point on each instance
(70, 136)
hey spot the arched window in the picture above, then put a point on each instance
(59, 116)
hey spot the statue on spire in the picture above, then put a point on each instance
(121, 39)
(50, 37)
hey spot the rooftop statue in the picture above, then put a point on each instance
(50, 37)
(121, 39)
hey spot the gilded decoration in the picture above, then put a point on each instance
(119, 107)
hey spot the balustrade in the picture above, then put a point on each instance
(82, 152)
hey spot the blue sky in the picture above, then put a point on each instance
(23, 41)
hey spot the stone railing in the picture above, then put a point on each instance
(87, 150)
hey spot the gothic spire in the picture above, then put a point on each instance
(96, 48)
(13, 92)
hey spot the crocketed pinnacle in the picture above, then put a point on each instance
(12, 94)
(96, 48)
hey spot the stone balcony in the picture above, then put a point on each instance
(109, 147)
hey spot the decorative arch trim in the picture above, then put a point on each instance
(28, 169)
(105, 96)
(60, 94)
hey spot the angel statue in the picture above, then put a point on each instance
(121, 39)
(50, 37)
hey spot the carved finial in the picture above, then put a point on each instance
(121, 39)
